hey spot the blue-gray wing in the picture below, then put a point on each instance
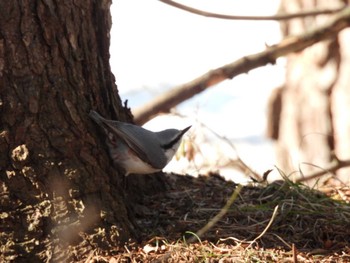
(143, 142)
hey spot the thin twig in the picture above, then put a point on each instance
(338, 164)
(274, 214)
(238, 161)
(216, 218)
(277, 17)
(295, 253)
(282, 240)
(176, 95)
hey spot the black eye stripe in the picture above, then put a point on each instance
(174, 141)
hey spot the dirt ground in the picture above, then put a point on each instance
(277, 222)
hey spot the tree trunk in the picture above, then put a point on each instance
(314, 119)
(60, 195)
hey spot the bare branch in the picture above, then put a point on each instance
(338, 164)
(278, 17)
(171, 98)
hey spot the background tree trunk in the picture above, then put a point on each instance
(60, 195)
(315, 119)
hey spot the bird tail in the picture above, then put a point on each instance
(96, 117)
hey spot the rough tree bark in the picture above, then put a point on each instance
(314, 118)
(59, 194)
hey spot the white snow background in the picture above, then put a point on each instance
(155, 47)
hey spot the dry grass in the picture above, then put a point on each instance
(307, 226)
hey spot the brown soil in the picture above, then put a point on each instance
(308, 226)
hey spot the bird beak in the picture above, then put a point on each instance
(186, 129)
